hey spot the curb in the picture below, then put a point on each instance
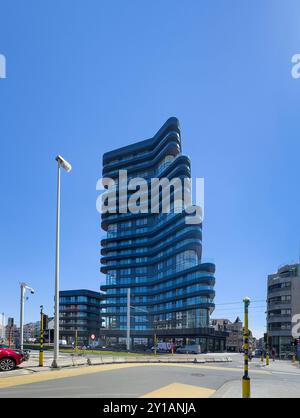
(130, 360)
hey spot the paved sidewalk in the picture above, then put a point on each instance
(259, 389)
(70, 360)
(287, 386)
(279, 366)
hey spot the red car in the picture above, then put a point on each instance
(9, 359)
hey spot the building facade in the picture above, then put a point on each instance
(79, 316)
(29, 333)
(283, 304)
(235, 334)
(155, 255)
(235, 340)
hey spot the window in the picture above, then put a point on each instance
(160, 266)
(125, 225)
(112, 230)
(142, 221)
(186, 260)
(165, 163)
(124, 272)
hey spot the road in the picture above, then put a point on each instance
(157, 380)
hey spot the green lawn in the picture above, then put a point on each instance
(95, 352)
(104, 352)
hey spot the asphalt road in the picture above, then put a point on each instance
(154, 380)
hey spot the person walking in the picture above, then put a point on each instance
(273, 352)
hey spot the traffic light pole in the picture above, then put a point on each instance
(246, 378)
(41, 353)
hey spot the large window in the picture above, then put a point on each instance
(112, 230)
(186, 260)
(164, 163)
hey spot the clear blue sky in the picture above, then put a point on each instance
(84, 77)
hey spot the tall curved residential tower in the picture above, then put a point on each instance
(155, 255)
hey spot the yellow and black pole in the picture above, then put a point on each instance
(268, 356)
(41, 353)
(246, 378)
(76, 341)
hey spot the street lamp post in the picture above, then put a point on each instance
(23, 287)
(128, 345)
(67, 167)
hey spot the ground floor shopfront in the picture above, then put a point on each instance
(209, 339)
(283, 345)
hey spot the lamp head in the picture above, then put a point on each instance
(63, 163)
(246, 301)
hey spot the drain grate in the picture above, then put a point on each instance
(198, 374)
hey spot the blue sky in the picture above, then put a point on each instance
(84, 77)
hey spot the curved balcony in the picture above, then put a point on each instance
(171, 125)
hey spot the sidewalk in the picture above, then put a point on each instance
(279, 366)
(282, 387)
(77, 360)
(259, 389)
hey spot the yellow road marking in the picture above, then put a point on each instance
(229, 369)
(179, 390)
(64, 373)
(60, 374)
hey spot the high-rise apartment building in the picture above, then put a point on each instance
(283, 304)
(155, 255)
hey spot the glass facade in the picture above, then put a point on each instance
(79, 312)
(156, 255)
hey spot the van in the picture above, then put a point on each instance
(189, 349)
(163, 347)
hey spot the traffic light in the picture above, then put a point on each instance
(10, 322)
(265, 338)
(45, 321)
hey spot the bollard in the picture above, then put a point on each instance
(246, 378)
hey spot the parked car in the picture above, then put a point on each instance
(9, 359)
(189, 349)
